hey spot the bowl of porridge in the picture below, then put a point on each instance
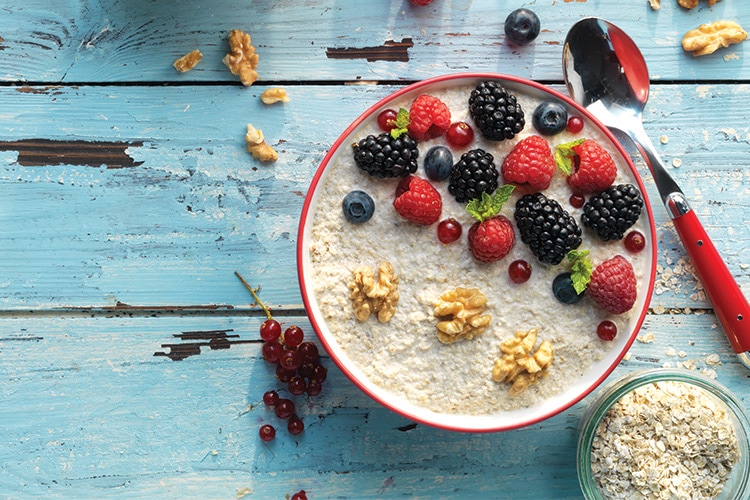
(664, 433)
(476, 252)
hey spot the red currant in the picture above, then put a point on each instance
(314, 387)
(309, 352)
(320, 373)
(635, 241)
(283, 374)
(285, 408)
(293, 336)
(270, 330)
(519, 271)
(272, 351)
(575, 124)
(297, 385)
(295, 425)
(300, 495)
(606, 330)
(290, 360)
(267, 432)
(271, 398)
(387, 120)
(449, 230)
(459, 134)
(576, 200)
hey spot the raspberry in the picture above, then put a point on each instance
(613, 285)
(418, 201)
(429, 117)
(492, 237)
(589, 166)
(530, 162)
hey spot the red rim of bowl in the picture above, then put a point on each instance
(302, 247)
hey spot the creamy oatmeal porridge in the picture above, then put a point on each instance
(404, 355)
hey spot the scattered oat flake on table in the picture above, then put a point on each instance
(188, 61)
(647, 338)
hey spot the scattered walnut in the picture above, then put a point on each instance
(274, 95)
(518, 366)
(242, 59)
(707, 38)
(256, 145)
(654, 4)
(369, 296)
(460, 314)
(691, 4)
(188, 61)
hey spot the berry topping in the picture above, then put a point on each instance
(301, 495)
(267, 432)
(613, 285)
(449, 230)
(384, 156)
(576, 200)
(358, 207)
(420, 3)
(562, 288)
(459, 134)
(606, 330)
(634, 241)
(589, 166)
(575, 124)
(546, 227)
(613, 211)
(438, 163)
(530, 162)
(495, 111)
(522, 26)
(475, 173)
(387, 120)
(519, 271)
(429, 117)
(418, 201)
(270, 330)
(550, 118)
(492, 237)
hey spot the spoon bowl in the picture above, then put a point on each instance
(606, 73)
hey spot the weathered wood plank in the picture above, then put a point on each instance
(192, 207)
(89, 410)
(118, 41)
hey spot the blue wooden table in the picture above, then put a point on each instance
(129, 351)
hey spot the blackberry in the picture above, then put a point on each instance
(495, 111)
(546, 227)
(475, 173)
(384, 156)
(613, 211)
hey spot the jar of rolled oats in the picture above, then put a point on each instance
(664, 434)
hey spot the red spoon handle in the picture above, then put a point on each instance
(730, 305)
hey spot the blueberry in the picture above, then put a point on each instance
(522, 26)
(562, 287)
(438, 163)
(550, 118)
(358, 206)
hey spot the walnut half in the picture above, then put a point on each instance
(188, 61)
(460, 314)
(518, 366)
(242, 59)
(256, 145)
(371, 296)
(707, 38)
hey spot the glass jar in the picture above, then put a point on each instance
(737, 486)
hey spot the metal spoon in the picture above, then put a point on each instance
(606, 73)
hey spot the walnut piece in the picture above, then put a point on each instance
(707, 38)
(188, 61)
(518, 366)
(371, 296)
(274, 95)
(691, 4)
(242, 59)
(460, 314)
(655, 4)
(256, 145)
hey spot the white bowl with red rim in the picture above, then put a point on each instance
(462, 421)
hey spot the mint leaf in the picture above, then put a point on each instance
(490, 205)
(580, 269)
(401, 123)
(564, 155)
